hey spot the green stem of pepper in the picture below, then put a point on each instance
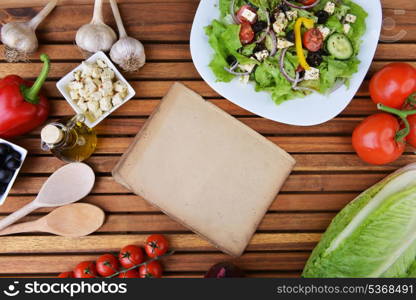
(402, 114)
(31, 94)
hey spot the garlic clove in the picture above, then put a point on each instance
(19, 36)
(95, 37)
(128, 53)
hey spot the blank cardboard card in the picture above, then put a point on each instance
(204, 169)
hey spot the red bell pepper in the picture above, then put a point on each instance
(22, 107)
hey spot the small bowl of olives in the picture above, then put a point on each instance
(11, 160)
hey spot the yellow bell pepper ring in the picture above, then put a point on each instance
(308, 23)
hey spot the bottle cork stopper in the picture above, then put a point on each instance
(51, 134)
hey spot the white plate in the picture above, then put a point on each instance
(63, 83)
(311, 110)
(23, 154)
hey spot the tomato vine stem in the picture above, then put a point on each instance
(402, 114)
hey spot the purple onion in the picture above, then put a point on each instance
(301, 6)
(282, 66)
(274, 43)
(232, 12)
(231, 71)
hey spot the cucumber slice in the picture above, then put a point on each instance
(339, 46)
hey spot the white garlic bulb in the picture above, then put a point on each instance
(20, 39)
(127, 52)
(96, 36)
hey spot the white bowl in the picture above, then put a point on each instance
(63, 83)
(311, 110)
(23, 154)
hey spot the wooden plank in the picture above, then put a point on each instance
(165, 52)
(121, 223)
(151, 70)
(144, 107)
(135, 204)
(175, 263)
(305, 163)
(178, 242)
(295, 183)
(172, 22)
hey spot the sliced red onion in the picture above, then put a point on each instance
(295, 83)
(232, 12)
(265, 31)
(234, 66)
(236, 73)
(301, 6)
(274, 43)
(282, 66)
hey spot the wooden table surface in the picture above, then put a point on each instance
(327, 176)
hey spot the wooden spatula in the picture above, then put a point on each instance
(67, 185)
(74, 220)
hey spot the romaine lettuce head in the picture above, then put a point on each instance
(373, 236)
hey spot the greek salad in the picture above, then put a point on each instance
(287, 48)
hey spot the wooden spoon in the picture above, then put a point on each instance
(74, 220)
(67, 185)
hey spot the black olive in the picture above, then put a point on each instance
(13, 163)
(253, 6)
(259, 26)
(323, 16)
(314, 59)
(4, 149)
(290, 36)
(259, 47)
(323, 52)
(231, 60)
(5, 176)
(284, 7)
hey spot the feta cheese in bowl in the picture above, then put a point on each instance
(95, 89)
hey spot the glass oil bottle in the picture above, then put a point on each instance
(69, 139)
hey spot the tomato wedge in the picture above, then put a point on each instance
(313, 39)
(307, 2)
(246, 33)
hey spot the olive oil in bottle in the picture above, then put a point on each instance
(69, 139)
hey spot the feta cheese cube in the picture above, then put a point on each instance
(105, 104)
(97, 113)
(106, 88)
(107, 74)
(312, 74)
(93, 106)
(283, 43)
(261, 55)
(280, 24)
(117, 99)
(87, 69)
(77, 75)
(291, 15)
(347, 28)
(82, 106)
(350, 18)
(96, 72)
(74, 94)
(249, 15)
(96, 96)
(247, 67)
(330, 7)
(119, 86)
(102, 64)
(325, 31)
(75, 85)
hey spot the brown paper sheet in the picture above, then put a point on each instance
(204, 169)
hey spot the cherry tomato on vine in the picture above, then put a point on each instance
(374, 139)
(107, 265)
(246, 33)
(156, 245)
(411, 138)
(151, 270)
(85, 269)
(129, 274)
(66, 275)
(240, 16)
(393, 84)
(313, 39)
(130, 256)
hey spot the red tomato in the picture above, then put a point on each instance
(393, 84)
(129, 274)
(66, 275)
(130, 256)
(107, 265)
(156, 245)
(85, 269)
(240, 16)
(151, 270)
(313, 39)
(246, 33)
(411, 138)
(374, 139)
(307, 2)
